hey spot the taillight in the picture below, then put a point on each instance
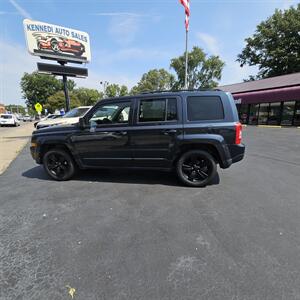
(238, 133)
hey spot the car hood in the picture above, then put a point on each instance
(59, 121)
(64, 128)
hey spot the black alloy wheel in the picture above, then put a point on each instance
(58, 164)
(196, 168)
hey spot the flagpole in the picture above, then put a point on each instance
(186, 59)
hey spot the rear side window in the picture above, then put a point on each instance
(158, 110)
(204, 108)
(6, 116)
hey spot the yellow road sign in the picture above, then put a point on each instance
(38, 107)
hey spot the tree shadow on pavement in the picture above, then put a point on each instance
(118, 176)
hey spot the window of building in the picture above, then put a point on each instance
(243, 113)
(204, 108)
(158, 110)
(274, 113)
(253, 114)
(263, 113)
(288, 113)
(297, 114)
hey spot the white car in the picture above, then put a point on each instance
(9, 120)
(70, 118)
(27, 118)
(48, 117)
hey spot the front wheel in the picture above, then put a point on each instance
(55, 46)
(196, 168)
(59, 165)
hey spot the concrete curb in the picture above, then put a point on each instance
(269, 126)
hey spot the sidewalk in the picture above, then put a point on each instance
(12, 141)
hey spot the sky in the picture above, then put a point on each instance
(130, 37)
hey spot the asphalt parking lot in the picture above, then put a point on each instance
(140, 235)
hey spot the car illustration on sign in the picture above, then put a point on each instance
(58, 44)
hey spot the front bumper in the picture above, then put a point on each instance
(35, 153)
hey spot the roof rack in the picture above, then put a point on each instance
(182, 90)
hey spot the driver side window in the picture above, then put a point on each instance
(111, 113)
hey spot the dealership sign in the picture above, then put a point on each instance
(56, 42)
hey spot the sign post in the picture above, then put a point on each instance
(58, 43)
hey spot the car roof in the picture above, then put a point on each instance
(166, 94)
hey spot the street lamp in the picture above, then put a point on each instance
(104, 84)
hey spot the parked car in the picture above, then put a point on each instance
(9, 120)
(48, 117)
(27, 118)
(70, 118)
(189, 131)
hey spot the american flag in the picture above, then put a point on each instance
(186, 4)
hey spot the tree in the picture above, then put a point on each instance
(115, 90)
(39, 87)
(203, 71)
(15, 108)
(88, 96)
(154, 80)
(274, 47)
(57, 101)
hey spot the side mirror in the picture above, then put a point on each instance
(82, 123)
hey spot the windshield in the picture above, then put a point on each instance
(76, 112)
(6, 116)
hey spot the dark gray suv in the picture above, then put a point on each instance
(189, 131)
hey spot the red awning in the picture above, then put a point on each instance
(274, 95)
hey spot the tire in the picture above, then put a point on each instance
(59, 165)
(54, 46)
(196, 168)
(79, 53)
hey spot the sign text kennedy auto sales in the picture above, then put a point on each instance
(52, 41)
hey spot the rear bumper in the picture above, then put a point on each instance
(236, 153)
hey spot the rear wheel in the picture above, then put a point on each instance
(196, 168)
(58, 164)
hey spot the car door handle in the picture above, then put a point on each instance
(121, 132)
(169, 131)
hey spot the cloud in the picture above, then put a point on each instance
(104, 58)
(210, 42)
(11, 71)
(94, 78)
(20, 9)
(118, 14)
(6, 13)
(288, 3)
(124, 28)
(233, 73)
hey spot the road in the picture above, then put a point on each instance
(140, 235)
(12, 141)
